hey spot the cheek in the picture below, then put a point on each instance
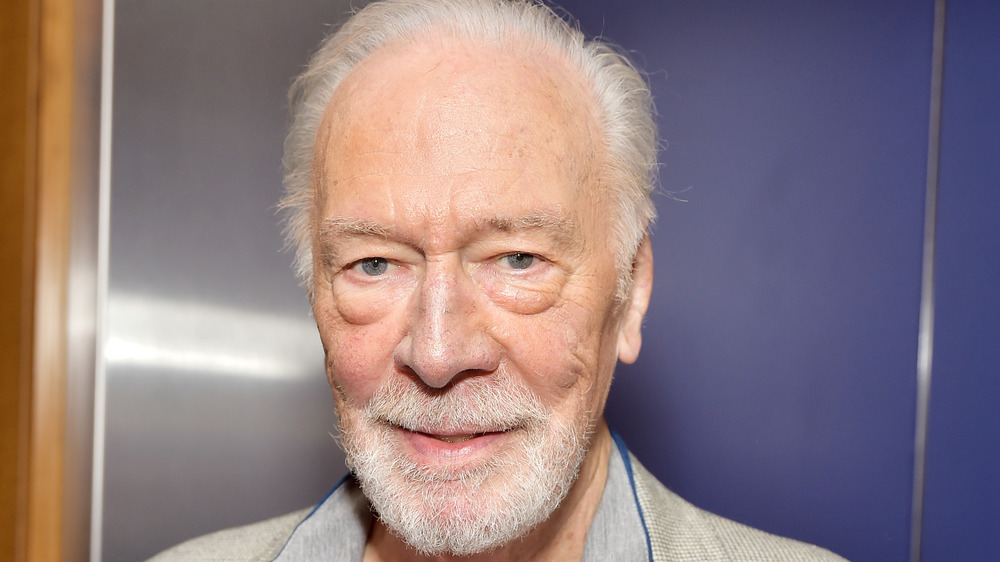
(358, 358)
(521, 296)
(552, 352)
(361, 305)
(566, 356)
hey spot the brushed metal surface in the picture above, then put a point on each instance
(217, 409)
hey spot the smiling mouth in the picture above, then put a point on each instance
(456, 438)
(452, 446)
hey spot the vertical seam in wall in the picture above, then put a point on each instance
(103, 252)
(925, 344)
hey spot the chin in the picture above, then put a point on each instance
(466, 496)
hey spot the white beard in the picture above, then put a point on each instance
(438, 510)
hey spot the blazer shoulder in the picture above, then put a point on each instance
(257, 542)
(680, 531)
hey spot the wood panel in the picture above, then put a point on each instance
(18, 47)
(48, 424)
(35, 160)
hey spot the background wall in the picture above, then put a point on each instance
(777, 384)
(962, 501)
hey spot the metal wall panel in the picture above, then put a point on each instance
(218, 411)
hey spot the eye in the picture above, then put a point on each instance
(518, 260)
(372, 266)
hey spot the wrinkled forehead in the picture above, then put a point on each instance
(439, 96)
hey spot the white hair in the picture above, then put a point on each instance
(622, 96)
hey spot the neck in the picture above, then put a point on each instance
(560, 538)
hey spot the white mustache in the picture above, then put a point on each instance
(476, 405)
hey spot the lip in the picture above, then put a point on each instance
(448, 448)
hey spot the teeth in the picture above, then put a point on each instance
(454, 438)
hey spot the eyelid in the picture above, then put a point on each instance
(537, 260)
(353, 251)
(356, 268)
(360, 264)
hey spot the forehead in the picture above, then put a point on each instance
(461, 113)
(457, 77)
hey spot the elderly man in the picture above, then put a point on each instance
(469, 192)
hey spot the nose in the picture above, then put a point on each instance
(448, 332)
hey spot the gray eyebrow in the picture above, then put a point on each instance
(541, 220)
(561, 228)
(342, 226)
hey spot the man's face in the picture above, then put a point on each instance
(465, 286)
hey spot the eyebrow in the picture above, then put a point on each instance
(559, 227)
(334, 227)
(342, 227)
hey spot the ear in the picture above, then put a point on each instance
(630, 329)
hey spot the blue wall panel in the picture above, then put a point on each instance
(962, 500)
(777, 381)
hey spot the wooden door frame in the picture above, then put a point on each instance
(36, 148)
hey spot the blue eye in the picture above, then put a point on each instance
(374, 266)
(519, 260)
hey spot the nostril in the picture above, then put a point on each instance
(440, 354)
(421, 382)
